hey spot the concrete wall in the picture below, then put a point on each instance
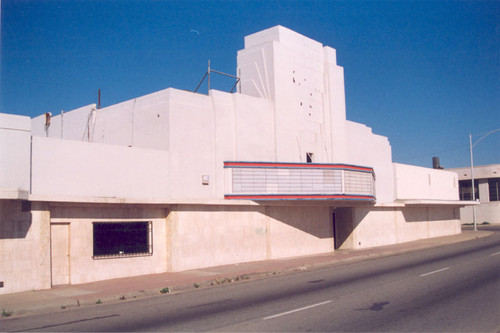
(82, 267)
(365, 227)
(424, 183)
(485, 212)
(24, 246)
(204, 236)
(480, 172)
(14, 156)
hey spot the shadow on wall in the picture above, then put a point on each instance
(107, 211)
(430, 214)
(15, 219)
(314, 220)
(347, 219)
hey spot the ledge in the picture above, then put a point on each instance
(13, 194)
(133, 201)
(434, 202)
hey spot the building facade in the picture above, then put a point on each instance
(177, 180)
(486, 191)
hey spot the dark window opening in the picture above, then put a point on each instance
(494, 189)
(309, 157)
(465, 189)
(122, 239)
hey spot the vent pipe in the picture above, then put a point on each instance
(435, 163)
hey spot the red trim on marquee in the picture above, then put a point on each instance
(298, 196)
(296, 165)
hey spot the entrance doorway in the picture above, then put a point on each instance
(59, 253)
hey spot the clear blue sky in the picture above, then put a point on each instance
(425, 74)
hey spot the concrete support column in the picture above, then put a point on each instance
(484, 194)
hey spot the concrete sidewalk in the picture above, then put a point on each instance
(70, 296)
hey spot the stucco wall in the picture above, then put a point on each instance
(204, 236)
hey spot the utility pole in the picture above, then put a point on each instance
(472, 171)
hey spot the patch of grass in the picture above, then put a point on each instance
(98, 301)
(7, 313)
(165, 290)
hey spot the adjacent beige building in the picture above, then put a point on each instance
(487, 193)
(176, 180)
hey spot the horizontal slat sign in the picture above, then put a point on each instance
(299, 181)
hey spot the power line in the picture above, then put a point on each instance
(432, 154)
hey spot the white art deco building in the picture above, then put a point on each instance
(177, 180)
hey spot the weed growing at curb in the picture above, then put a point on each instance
(7, 313)
(482, 223)
(98, 301)
(165, 290)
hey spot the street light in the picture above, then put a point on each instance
(472, 172)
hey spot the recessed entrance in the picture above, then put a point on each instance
(334, 227)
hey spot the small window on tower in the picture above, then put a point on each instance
(309, 157)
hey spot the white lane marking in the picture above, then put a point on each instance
(296, 310)
(494, 254)
(436, 271)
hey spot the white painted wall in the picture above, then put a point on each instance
(307, 89)
(73, 170)
(14, 156)
(74, 125)
(366, 148)
(156, 149)
(424, 183)
(292, 102)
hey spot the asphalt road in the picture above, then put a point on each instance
(450, 288)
